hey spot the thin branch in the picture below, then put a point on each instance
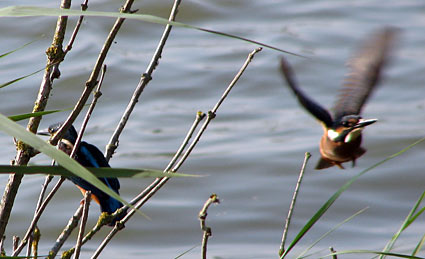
(202, 218)
(294, 199)
(44, 186)
(54, 54)
(72, 224)
(87, 198)
(92, 81)
(30, 240)
(211, 114)
(46, 183)
(199, 117)
(15, 242)
(155, 187)
(37, 216)
(96, 96)
(144, 80)
(84, 7)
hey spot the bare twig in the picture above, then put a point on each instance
(211, 114)
(84, 7)
(15, 242)
(37, 216)
(144, 80)
(199, 117)
(29, 247)
(294, 199)
(96, 96)
(155, 187)
(92, 81)
(72, 224)
(47, 180)
(87, 198)
(202, 218)
(55, 55)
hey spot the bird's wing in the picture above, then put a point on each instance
(311, 106)
(94, 157)
(364, 73)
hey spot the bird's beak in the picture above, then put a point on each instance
(363, 123)
(44, 132)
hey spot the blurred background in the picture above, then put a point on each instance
(252, 151)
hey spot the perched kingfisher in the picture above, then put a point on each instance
(88, 155)
(341, 141)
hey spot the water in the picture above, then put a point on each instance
(252, 152)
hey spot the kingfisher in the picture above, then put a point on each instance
(88, 155)
(341, 141)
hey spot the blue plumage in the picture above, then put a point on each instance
(89, 155)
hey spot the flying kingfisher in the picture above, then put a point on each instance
(341, 141)
(88, 155)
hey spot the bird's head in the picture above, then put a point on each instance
(68, 140)
(348, 128)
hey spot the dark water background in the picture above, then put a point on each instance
(252, 152)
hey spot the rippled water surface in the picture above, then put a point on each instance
(252, 151)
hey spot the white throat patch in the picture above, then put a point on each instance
(332, 134)
(353, 135)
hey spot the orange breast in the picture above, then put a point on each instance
(93, 197)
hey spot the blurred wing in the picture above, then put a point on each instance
(311, 106)
(364, 73)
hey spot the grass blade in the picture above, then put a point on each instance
(330, 231)
(24, 116)
(419, 246)
(373, 252)
(98, 172)
(23, 11)
(335, 196)
(409, 219)
(21, 47)
(19, 78)
(185, 252)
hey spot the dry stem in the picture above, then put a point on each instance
(92, 81)
(72, 223)
(144, 80)
(294, 199)
(202, 218)
(37, 216)
(87, 199)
